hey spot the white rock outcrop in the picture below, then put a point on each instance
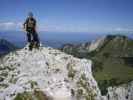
(58, 75)
(122, 92)
(96, 44)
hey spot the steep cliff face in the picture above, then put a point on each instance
(46, 74)
(84, 47)
(97, 44)
(122, 92)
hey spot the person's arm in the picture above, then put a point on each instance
(35, 25)
(25, 25)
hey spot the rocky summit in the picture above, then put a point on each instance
(46, 74)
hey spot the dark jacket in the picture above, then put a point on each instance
(30, 24)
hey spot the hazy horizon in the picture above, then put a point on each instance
(53, 39)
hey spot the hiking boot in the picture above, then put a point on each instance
(31, 46)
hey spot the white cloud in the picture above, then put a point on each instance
(44, 27)
(10, 26)
(120, 29)
(63, 28)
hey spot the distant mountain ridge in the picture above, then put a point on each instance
(6, 47)
(116, 43)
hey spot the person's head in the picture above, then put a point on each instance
(30, 14)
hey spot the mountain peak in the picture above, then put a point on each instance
(57, 75)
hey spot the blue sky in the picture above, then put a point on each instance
(69, 15)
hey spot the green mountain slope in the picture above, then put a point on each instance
(112, 61)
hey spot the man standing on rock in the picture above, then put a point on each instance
(30, 27)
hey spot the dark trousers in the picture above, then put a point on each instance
(32, 36)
